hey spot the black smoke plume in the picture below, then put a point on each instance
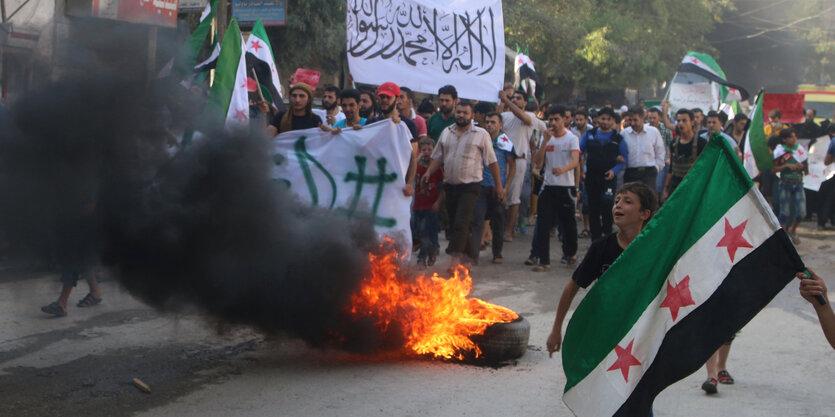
(87, 177)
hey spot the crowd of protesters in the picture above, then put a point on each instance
(483, 173)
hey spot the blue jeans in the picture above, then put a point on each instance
(427, 224)
(792, 202)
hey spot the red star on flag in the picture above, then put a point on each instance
(625, 360)
(240, 115)
(748, 155)
(695, 60)
(733, 239)
(256, 45)
(678, 296)
(504, 139)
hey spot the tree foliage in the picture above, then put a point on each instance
(610, 44)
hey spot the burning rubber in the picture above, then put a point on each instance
(435, 316)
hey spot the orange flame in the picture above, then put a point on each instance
(434, 314)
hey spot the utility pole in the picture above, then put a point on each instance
(222, 16)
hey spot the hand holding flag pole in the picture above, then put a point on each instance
(808, 275)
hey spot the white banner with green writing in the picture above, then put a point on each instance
(357, 173)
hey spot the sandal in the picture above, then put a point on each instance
(710, 386)
(55, 309)
(541, 268)
(725, 378)
(795, 239)
(498, 260)
(584, 233)
(88, 301)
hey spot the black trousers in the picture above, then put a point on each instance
(555, 207)
(601, 198)
(487, 208)
(460, 203)
(646, 175)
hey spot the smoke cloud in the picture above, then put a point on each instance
(87, 177)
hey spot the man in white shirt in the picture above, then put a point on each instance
(330, 113)
(645, 150)
(561, 155)
(518, 125)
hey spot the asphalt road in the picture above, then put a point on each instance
(83, 364)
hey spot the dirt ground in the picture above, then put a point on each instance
(83, 364)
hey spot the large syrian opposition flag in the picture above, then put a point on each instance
(756, 154)
(702, 268)
(258, 45)
(229, 95)
(707, 67)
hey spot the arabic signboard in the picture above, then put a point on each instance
(192, 5)
(149, 12)
(271, 12)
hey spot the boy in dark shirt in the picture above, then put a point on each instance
(635, 204)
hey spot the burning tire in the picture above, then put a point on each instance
(503, 341)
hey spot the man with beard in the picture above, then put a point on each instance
(407, 108)
(300, 114)
(463, 149)
(602, 146)
(349, 101)
(389, 94)
(368, 106)
(488, 206)
(738, 128)
(684, 152)
(330, 110)
(447, 98)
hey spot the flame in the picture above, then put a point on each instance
(434, 314)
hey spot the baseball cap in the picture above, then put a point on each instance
(389, 89)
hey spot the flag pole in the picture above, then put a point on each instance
(257, 85)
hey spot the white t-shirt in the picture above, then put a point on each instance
(577, 132)
(323, 114)
(558, 153)
(518, 132)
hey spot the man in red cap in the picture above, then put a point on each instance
(389, 94)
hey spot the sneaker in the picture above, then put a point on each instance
(532, 260)
(725, 378)
(523, 228)
(710, 386)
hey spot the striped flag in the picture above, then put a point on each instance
(702, 268)
(229, 95)
(756, 156)
(707, 67)
(258, 45)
